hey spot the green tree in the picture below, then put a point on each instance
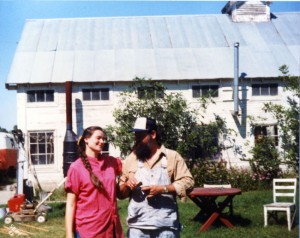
(288, 119)
(265, 161)
(206, 137)
(6, 131)
(177, 122)
(3, 129)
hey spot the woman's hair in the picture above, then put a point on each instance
(87, 133)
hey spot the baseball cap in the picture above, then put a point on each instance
(144, 124)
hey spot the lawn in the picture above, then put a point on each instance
(247, 219)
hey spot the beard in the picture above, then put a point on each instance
(143, 151)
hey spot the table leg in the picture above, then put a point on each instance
(218, 214)
(226, 222)
(209, 221)
(206, 205)
(227, 200)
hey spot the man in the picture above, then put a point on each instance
(152, 177)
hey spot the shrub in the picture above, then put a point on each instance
(209, 173)
(265, 161)
(240, 177)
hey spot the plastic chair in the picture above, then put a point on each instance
(282, 189)
(230, 205)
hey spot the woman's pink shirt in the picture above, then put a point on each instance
(96, 213)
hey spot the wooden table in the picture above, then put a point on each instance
(205, 199)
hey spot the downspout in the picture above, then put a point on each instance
(21, 161)
(70, 141)
(236, 79)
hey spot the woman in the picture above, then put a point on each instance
(91, 209)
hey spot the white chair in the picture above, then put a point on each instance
(230, 205)
(283, 189)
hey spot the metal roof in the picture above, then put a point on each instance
(159, 47)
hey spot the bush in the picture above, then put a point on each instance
(265, 161)
(217, 173)
(243, 178)
(209, 172)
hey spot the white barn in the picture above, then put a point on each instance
(188, 53)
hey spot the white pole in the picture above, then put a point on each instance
(20, 169)
(236, 79)
(299, 156)
(298, 92)
(299, 134)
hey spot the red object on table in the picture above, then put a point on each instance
(205, 199)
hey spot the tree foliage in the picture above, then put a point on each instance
(287, 117)
(178, 123)
(6, 131)
(265, 161)
(3, 129)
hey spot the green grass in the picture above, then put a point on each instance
(247, 220)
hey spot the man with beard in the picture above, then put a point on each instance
(152, 177)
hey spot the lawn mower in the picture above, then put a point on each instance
(22, 210)
(20, 207)
(25, 214)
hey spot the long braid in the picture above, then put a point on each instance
(95, 180)
(81, 151)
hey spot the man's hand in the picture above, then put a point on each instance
(153, 190)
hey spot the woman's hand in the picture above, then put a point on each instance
(132, 183)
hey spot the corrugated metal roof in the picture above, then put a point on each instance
(159, 47)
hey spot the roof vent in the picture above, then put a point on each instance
(248, 11)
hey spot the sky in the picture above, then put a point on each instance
(13, 14)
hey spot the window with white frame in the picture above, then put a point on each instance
(270, 131)
(41, 144)
(205, 91)
(95, 94)
(40, 96)
(270, 89)
(105, 149)
(144, 92)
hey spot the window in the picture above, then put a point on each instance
(40, 96)
(149, 92)
(105, 149)
(205, 91)
(265, 89)
(41, 147)
(263, 131)
(95, 94)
